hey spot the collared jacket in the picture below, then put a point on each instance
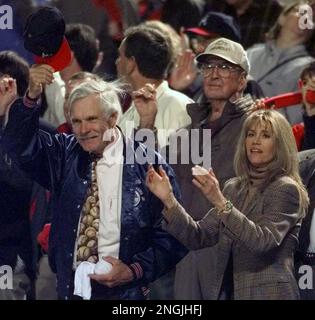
(59, 164)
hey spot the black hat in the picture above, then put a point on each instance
(44, 36)
(217, 24)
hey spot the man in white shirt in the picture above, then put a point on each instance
(144, 58)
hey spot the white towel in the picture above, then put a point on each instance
(82, 282)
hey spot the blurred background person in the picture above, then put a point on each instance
(304, 132)
(182, 14)
(18, 241)
(278, 63)
(253, 16)
(145, 55)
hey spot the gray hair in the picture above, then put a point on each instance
(108, 93)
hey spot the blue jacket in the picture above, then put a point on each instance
(59, 164)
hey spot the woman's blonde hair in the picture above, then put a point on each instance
(285, 161)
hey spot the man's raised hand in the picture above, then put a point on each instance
(146, 105)
(40, 75)
(8, 93)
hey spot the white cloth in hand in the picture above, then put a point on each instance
(82, 281)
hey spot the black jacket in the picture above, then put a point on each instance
(15, 194)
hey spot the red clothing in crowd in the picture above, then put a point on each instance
(298, 131)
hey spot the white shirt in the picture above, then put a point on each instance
(109, 171)
(171, 113)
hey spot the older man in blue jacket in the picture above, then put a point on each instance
(122, 223)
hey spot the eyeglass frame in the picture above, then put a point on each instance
(217, 66)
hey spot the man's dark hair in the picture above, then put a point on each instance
(16, 67)
(309, 71)
(150, 49)
(83, 43)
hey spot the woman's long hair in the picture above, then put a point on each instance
(285, 161)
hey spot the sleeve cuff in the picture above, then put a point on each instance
(30, 103)
(136, 270)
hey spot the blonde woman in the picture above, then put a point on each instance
(256, 219)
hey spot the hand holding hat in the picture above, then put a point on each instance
(40, 75)
(44, 37)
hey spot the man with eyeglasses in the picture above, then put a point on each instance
(224, 69)
(212, 26)
(223, 109)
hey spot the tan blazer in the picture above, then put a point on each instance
(262, 240)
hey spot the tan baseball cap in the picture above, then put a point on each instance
(228, 50)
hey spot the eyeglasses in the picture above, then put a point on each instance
(224, 70)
